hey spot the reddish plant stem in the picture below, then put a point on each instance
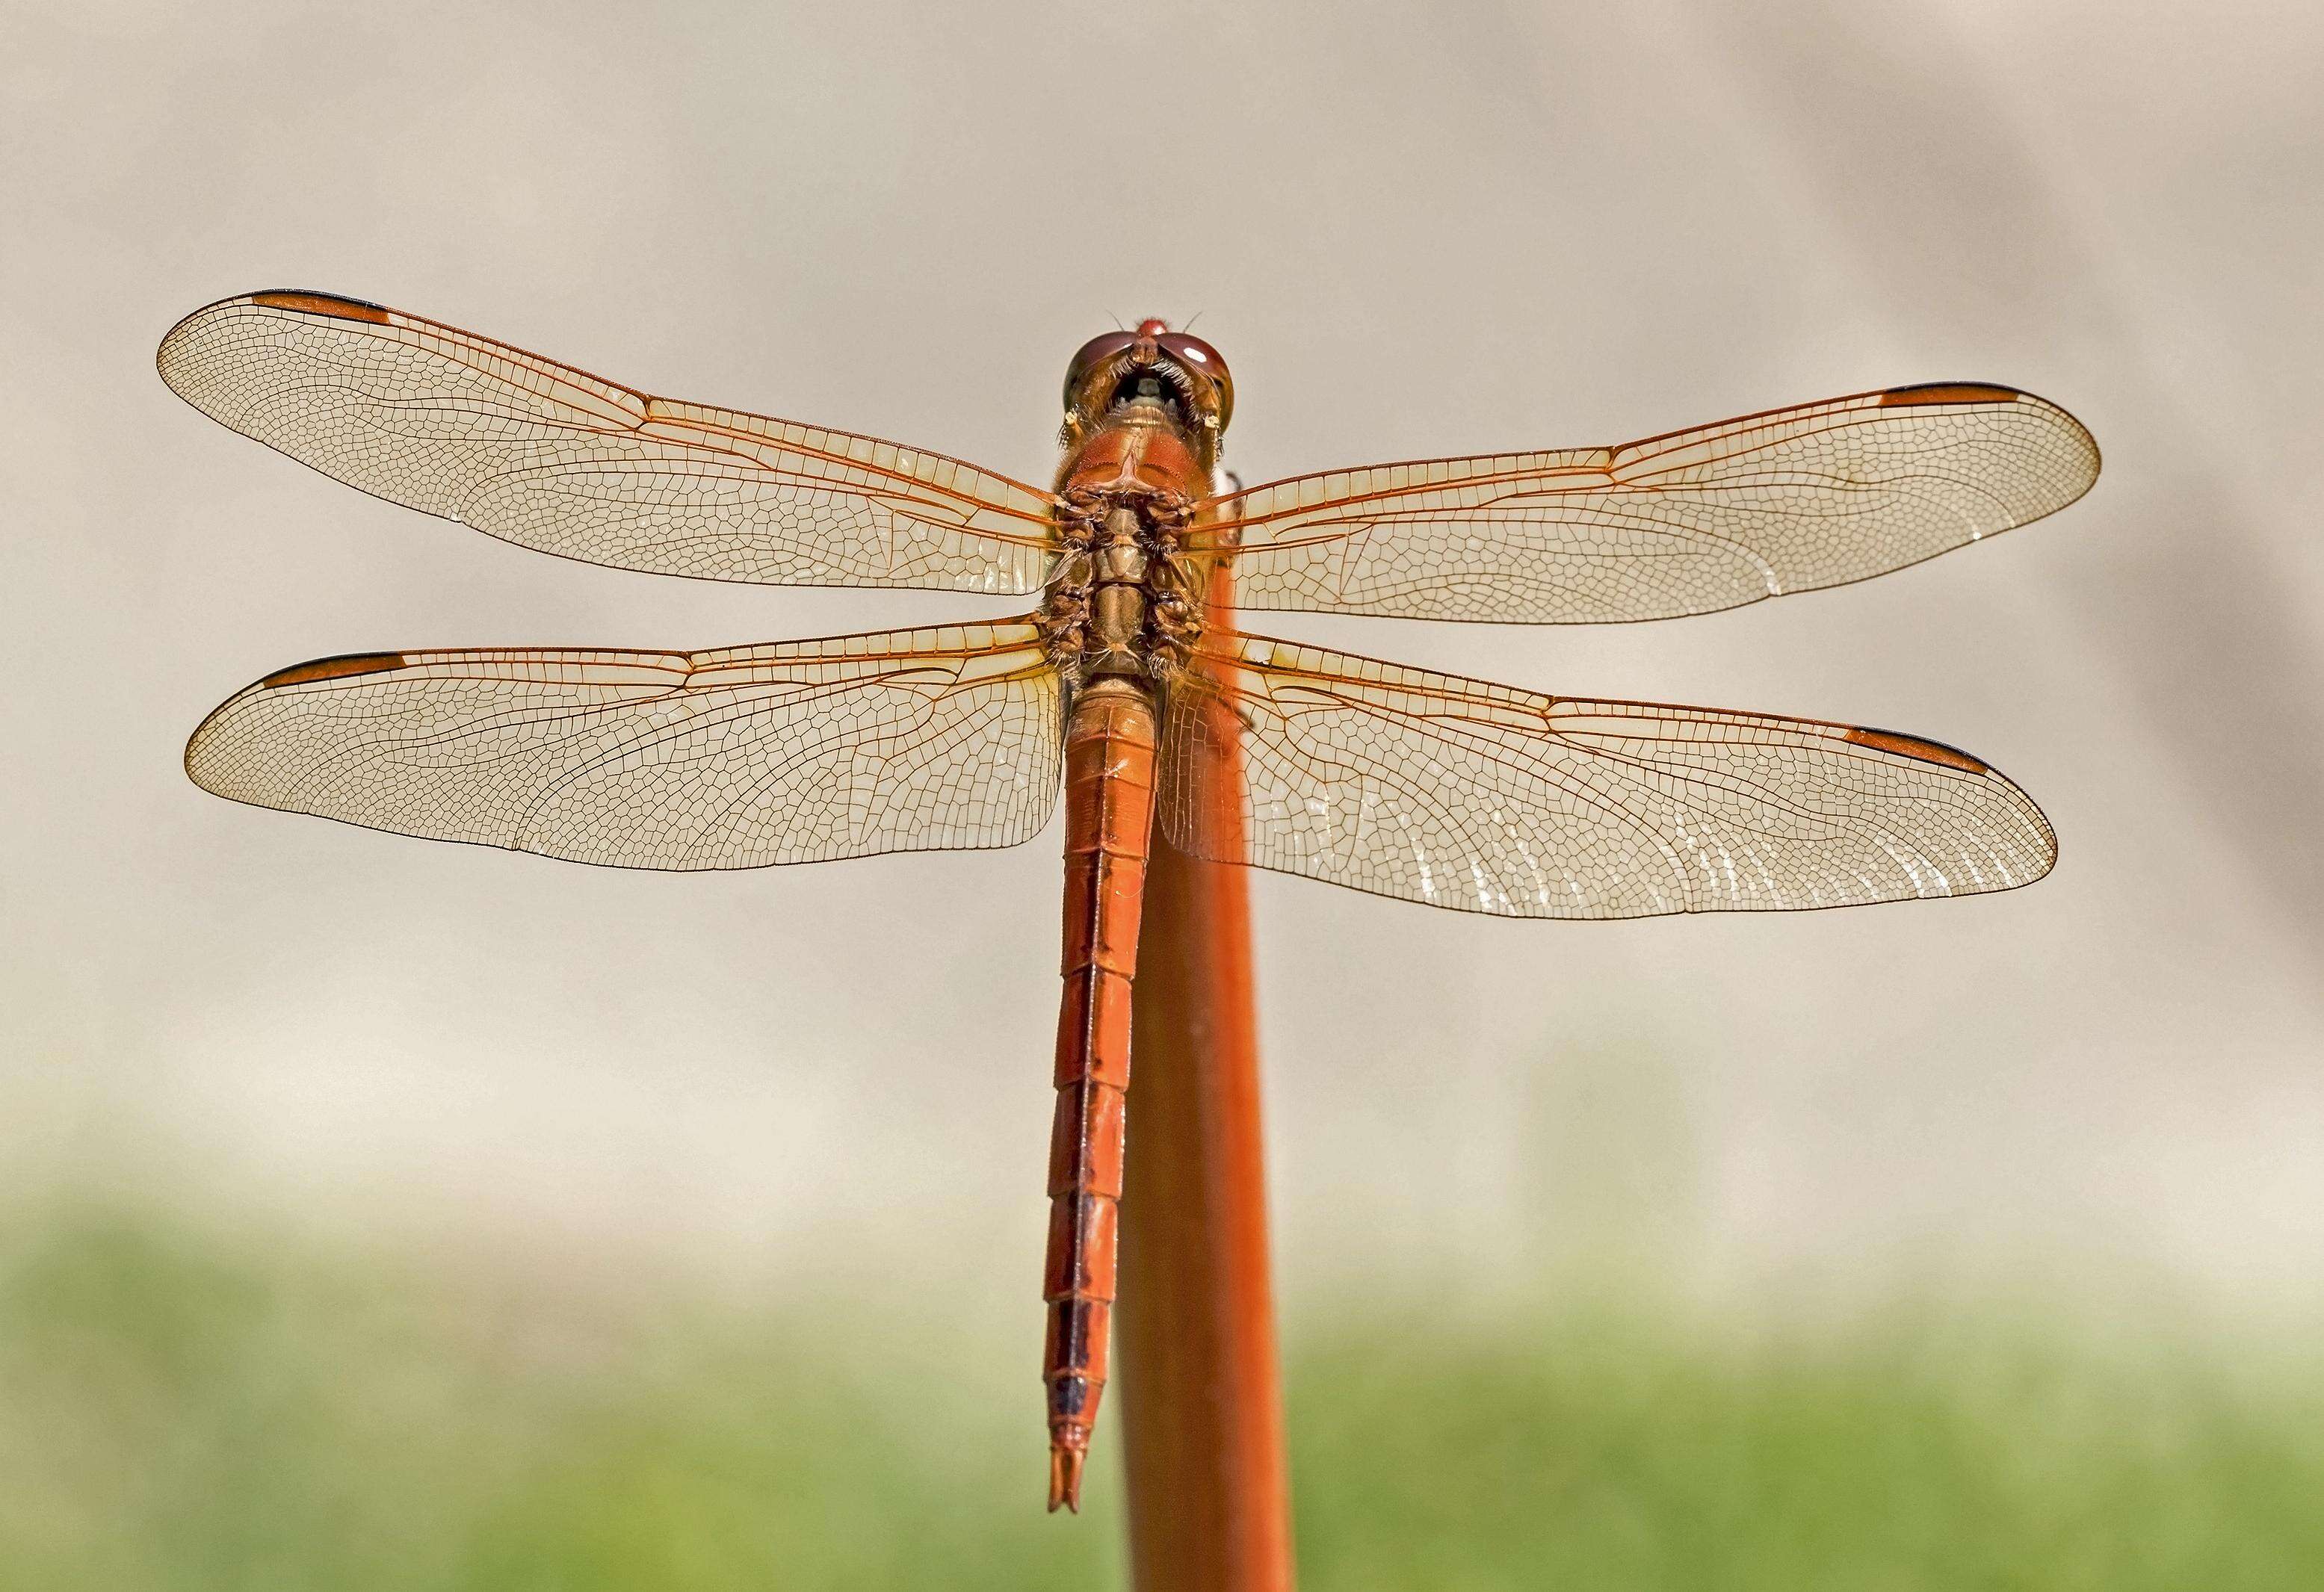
(1200, 1399)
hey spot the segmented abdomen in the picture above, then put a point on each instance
(1110, 752)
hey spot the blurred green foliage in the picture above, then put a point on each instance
(180, 1413)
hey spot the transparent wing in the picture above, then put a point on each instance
(797, 752)
(1685, 523)
(553, 458)
(1485, 798)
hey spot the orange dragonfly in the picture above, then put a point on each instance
(1129, 686)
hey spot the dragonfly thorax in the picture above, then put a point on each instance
(1121, 600)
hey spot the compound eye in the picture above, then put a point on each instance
(1198, 355)
(1105, 347)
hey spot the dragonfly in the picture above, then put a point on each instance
(1129, 686)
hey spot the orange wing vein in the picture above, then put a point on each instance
(1487, 798)
(1688, 522)
(553, 458)
(801, 751)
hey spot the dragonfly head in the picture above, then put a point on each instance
(1153, 366)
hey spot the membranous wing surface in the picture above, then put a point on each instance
(1688, 522)
(798, 752)
(538, 453)
(1394, 780)
(1488, 798)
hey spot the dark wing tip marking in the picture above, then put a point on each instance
(1949, 393)
(324, 304)
(334, 668)
(1913, 746)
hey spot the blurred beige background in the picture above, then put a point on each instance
(1411, 232)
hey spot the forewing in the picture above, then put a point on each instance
(802, 752)
(553, 458)
(1684, 523)
(1485, 798)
